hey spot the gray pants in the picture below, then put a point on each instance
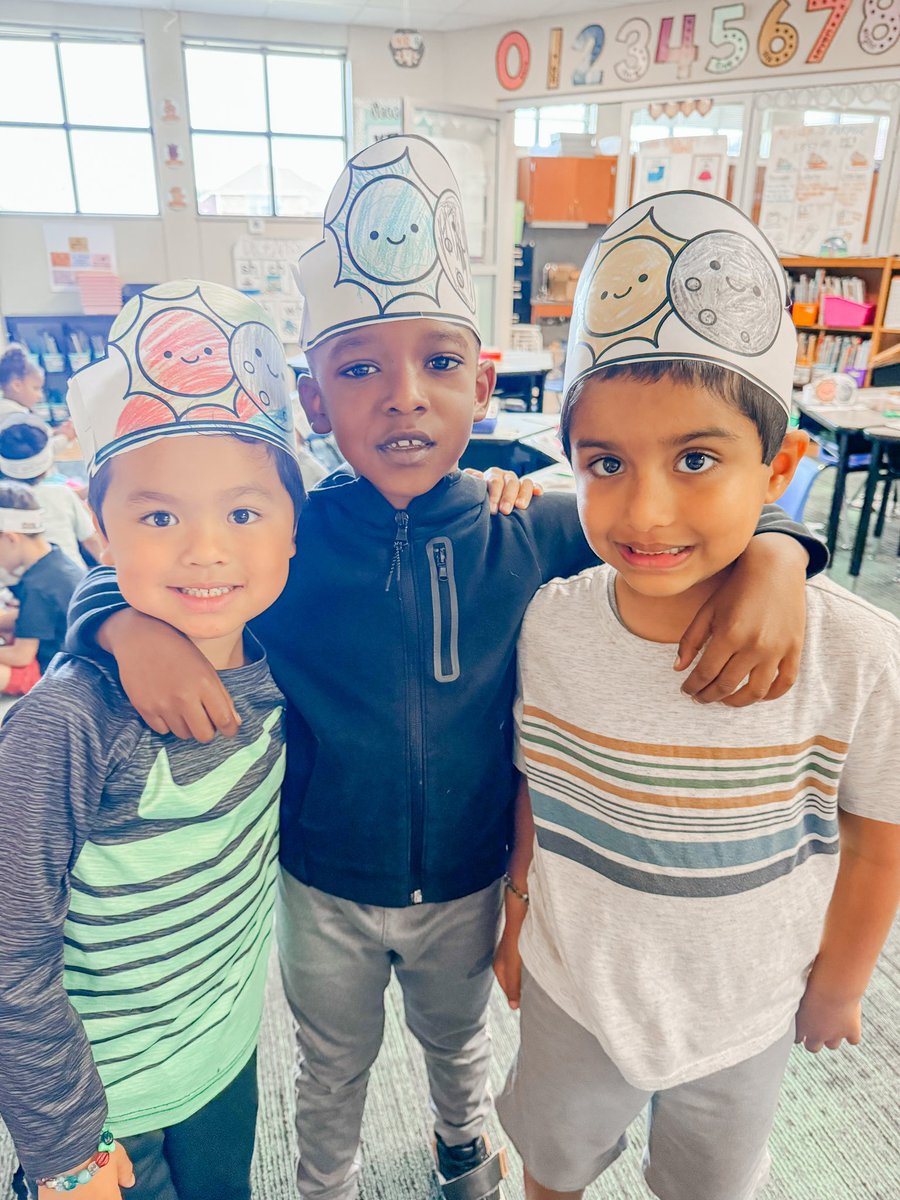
(336, 960)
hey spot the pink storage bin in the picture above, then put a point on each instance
(838, 311)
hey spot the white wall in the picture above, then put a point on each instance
(181, 243)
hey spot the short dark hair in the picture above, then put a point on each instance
(286, 465)
(756, 404)
(15, 363)
(19, 495)
(22, 439)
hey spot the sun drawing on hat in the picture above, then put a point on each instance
(385, 232)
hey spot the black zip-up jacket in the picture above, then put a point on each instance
(394, 642)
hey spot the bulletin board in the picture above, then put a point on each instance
(817, 186)
(78, 248)
(699, 164)
(264, 268)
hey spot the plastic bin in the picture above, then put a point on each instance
(838, 311)
(857, 374)
(804, 314)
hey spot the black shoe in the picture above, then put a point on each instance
(453, 1162)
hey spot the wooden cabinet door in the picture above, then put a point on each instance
(547, 185)
(595, 190)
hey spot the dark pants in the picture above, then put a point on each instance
(206, 1156)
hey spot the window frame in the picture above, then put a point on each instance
(264, 49)
(57, 38)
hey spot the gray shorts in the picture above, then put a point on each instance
(565, 1107)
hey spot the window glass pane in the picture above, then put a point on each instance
(525, 127)
(305, 170)
(29, 83)
(93, 72)
(232, 175)
(306, 95)
(114, 172)
(225, 89)
(46, 184)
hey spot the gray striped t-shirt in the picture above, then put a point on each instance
(137, 879)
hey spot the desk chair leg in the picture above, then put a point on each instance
(840, 483)
(883, 507)
(862, 529)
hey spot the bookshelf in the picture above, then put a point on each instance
(873, 344)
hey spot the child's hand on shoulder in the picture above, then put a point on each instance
(827, 1020)
(506, 490)
(108, 1182)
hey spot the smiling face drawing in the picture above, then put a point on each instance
(627, 287)
(723, 289)
(184, 353)
(258, 361)
(390, 231)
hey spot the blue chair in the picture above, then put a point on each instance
(794, 499)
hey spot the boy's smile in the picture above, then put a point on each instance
(670, 483)
(401, 397)
(201, 531)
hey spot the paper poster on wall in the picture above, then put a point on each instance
(817, 186)
(78, 248)
(669, 164)
(264, 267)
(376, 119)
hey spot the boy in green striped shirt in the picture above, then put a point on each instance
(137, 871)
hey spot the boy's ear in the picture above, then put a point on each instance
(485, 382)
(313, 405)
(784, 464)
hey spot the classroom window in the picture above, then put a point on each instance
(267, 129)
(77, 152)
(536, 126)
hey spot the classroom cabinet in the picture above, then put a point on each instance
(568, 189)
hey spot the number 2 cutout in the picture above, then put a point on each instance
(839, 10)
(685, 54)
(590, 41)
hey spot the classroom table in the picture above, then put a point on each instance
(882, 438)
(845, 426)
(522, 373)
(520, 442)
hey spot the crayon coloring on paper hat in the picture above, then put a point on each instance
(686, 276)
(394, 244)
(183, 357)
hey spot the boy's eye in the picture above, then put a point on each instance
(443, 362)
(358, 371)
(159, 520)
(243, 516)
(695, 462)
(607, 465)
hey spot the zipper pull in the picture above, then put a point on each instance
(401, 541)
(440, 562)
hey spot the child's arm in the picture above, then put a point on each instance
(507, 960)
(862, 908)
(51, 1097)
(20, 653)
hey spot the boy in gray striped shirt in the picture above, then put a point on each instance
(137, 871)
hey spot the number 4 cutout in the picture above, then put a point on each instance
(684, 55)
(839, 10)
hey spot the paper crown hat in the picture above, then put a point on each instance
(393, 246)
(684, 275)
(183, 357)
(25, 455)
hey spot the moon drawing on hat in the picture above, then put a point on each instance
(624, 292)
(257, 360)
(723, 289)
(385, 232)
(452, 247)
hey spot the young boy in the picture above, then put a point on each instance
(395, 645)
(137, 872)
(46, 581)
(688, 918)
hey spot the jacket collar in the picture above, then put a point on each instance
(457, 498)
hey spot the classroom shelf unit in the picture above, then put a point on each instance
(883, 343)
(61, 344)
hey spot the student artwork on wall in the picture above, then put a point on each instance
(817, 186)
(668, 44)
(74, 249)
(698, 163)
(374, 120)
(263, 267)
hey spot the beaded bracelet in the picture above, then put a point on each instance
(66, 1183)
(511, 887)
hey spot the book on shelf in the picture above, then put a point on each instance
(809, 289)
(835, 352)
(892, 310)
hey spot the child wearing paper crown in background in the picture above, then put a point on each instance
(687, 917)
(137, 872)
(394, 642)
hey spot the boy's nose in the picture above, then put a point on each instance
(650, 504)
(407, 393)
(205, 547)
